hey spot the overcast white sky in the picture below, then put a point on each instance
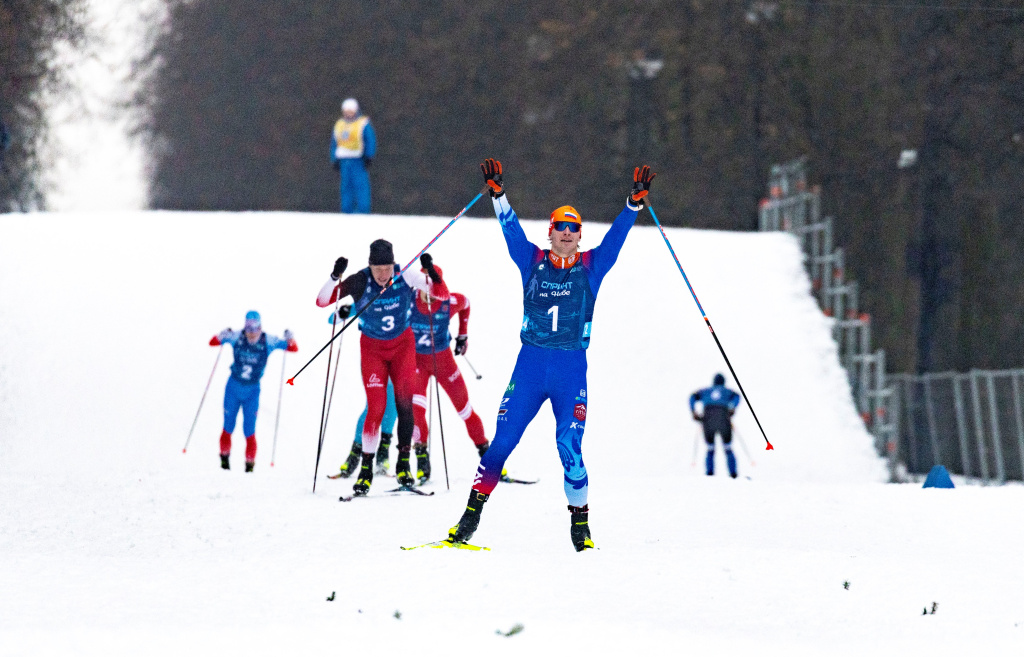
(93, 164)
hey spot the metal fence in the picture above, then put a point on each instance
(793, 207)
(973, 423)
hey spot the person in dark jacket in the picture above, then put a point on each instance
(718, 405)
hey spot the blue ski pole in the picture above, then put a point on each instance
(708, 322)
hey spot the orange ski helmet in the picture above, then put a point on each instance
(565, 213)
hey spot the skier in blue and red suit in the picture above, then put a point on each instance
(718, 404)
(251, 348)
(387, 347)
(560, 286)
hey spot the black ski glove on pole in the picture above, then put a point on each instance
(339, 268)
(461, 345)
(492, 176)
(428, 264)
(642, 178)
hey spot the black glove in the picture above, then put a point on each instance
(337, 165)
(642, 178)
(428, 263)
(344, 311)
(339, 267)
(460, 345)
(492, 176)
(367, 162)
(697, 417)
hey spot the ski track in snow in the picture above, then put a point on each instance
(114, 542)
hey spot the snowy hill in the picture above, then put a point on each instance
(113, 541)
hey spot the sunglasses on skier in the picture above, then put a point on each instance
(559, 226)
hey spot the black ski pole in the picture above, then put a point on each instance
(478, 377)
(708, 322)
(206, 390)
(334, 380)
(353, 318)
(437, 391)
(323, 408)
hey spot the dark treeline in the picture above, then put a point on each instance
(29, 33)
(570, 96)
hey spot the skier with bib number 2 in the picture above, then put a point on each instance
(251, 348)
(560, 286)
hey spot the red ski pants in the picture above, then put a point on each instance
(381, 359)
(450, 378)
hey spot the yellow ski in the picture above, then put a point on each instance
(448, 544)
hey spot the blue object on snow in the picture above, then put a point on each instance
(938, 477)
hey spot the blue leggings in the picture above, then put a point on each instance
(245, 396)
(387, 425)
(541, 374)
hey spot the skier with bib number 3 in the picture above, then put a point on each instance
(560, 286)
(387, 348)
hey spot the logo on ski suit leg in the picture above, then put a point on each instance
(511, 388)
(568, 460)
(374, 381)
(580, 412)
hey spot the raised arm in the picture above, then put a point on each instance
(603, 256)
(428, 279)
(333, 290)
(524, 253)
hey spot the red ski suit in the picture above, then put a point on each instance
(381, 359)
(447, 374)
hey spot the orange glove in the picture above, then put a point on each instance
(492, 176)
(642, 178)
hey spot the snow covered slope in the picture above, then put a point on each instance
(110, 315)
(113, 541)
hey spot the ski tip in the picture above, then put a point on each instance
(291, 381)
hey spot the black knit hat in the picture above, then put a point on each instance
(381, 253)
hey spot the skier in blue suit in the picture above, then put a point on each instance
(719, 404)
(353, 147)
(560, 286)
(251, 348)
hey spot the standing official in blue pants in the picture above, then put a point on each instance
(353, 147)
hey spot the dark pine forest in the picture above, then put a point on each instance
(572, 95)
